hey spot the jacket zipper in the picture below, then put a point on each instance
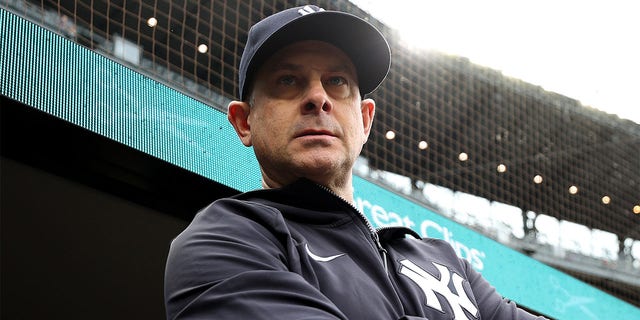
(372, 232)
(376, 240)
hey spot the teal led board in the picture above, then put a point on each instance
(48, 72)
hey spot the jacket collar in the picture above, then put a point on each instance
(303, 199)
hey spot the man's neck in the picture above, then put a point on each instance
(343, 188)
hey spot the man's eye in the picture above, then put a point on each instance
(287, 80)
(337, 81)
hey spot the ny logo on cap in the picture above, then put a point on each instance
(309, 9)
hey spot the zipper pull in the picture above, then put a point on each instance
(383, 252)
(384, 259)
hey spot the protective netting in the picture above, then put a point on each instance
(442, 123)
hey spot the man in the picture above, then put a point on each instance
(299, 249)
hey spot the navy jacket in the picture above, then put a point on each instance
(301, 252)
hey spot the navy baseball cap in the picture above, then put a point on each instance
(362, 42)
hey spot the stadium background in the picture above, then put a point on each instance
(445, 102)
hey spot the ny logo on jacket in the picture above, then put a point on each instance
(430, 285)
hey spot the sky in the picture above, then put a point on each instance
(587, 50)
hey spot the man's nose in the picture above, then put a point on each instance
(317, 99)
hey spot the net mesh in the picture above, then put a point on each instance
(454, 124)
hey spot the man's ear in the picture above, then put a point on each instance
(368, 108)
(238, 115)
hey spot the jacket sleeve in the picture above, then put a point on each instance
(491, 304)
(231, 262)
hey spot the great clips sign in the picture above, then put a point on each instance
(516, 276)
(380, 216)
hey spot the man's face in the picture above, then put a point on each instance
(306, 117)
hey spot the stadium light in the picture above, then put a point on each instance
(537, 179)
(152, 22)
(573, 189)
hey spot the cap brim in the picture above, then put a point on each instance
(361, 41)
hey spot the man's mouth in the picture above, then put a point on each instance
(314, 132)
